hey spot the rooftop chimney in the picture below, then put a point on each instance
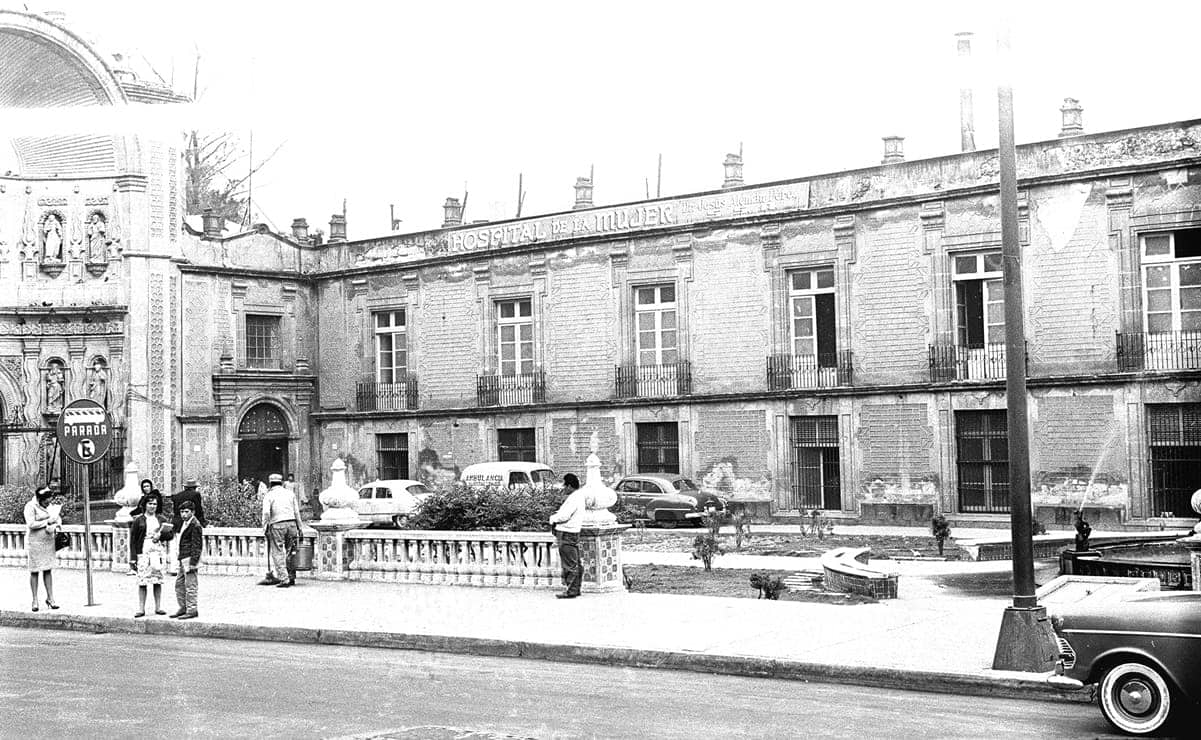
(337, 228)
(967, 128)
(894, 149)
(452, 213)
(733, 165)
(1073, 118)
(583, 193)
(300, 230)
(212, 224)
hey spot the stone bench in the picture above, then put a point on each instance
(846, 569)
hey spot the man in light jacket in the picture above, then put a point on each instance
(281, 521)
(568, 520)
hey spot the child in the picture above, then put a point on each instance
(191, 542)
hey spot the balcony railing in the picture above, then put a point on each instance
(953, 362)
(1171, 350)
(510, 390)
(372, 396)
(633, 381)
(823, 370)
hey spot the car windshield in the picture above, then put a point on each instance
(365, 492)
(683, 484)
(418, 489)
(543, 477)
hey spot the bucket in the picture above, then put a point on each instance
(304, 554)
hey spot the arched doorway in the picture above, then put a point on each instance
(262, 443)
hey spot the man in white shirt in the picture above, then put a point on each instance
(281, 521)
(568, 519)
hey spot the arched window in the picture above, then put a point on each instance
(263, 420)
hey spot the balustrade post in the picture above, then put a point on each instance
(334, 550)
(120, 562)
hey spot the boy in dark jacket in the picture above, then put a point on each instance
(191, 542)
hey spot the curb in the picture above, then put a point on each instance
(1003, 684)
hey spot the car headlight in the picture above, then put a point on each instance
(1057, 622)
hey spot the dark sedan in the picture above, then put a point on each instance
(1143, 652)
(667, 500)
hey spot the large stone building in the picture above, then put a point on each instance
(832, 342)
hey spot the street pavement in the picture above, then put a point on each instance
(930, 637)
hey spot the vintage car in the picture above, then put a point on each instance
(665, 499)
(508, 474)
(1143, 652)
(389, 501)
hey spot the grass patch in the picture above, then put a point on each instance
(796, 545)
(723, 582)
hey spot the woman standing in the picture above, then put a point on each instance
(148, 492)
(148, 537)
(43, 521)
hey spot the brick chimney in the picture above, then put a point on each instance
(337, 228)
(583, 193)
(894, 149)
(967, 126)
(1073, 118)
(212, 224)
(300, 230)
(452, 213)
(733, 166)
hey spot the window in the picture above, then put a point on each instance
(1172, 281)
(815, 479)
(979, 299)
(655, 322)
(262, 341)
(391, 349)
(659, 448)
(811, 306)
(515, 337)
(515, 445)
(982, 444)
(1174, 439)
(392, 456)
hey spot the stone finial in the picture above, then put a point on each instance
(894, 149)
(336, 500)
(733, 168)
(211, 224)
(1073, 118)
(129, 494)
(452, 213)
(583, 193)
(300, 230)
(597, 495)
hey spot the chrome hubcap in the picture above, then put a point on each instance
(1136, 696)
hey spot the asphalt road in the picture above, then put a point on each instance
(73, 684)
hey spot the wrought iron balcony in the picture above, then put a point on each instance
(954, 362)
(1171, 350)
(400, 396)
(646, 381)
(823, 370)
(510, 390)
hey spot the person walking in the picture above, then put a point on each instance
(43, 521)
(568, 520)
(191, 544)
(149, 535)
(281, 522)
(191, 494)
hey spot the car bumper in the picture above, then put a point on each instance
(1063, 683)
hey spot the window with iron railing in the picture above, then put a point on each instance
(982, 452)
(655, 323)
(659, 447)
(517, 445)
(1171, 336)
(391, 348)
(1174, 444)
(392, 456)
(515, 337)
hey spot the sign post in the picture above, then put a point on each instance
(85, 433)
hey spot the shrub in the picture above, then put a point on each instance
(770, 587)
(941, 530)
(464, 508)
(14, 497)
(227, 504)
(625, 513)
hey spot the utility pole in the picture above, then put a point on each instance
(1026, 642)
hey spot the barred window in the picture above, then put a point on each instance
(262, 341)
(392, 456)
(659, 448)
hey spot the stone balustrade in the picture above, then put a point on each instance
(12, 547)
(505, 559)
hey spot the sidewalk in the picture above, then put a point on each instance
(924, 639)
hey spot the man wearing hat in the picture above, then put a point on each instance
(192, 495)
(281, 521)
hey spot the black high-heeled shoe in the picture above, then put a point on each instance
(35, 606)
(50, 604)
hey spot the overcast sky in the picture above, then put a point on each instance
(405, 103)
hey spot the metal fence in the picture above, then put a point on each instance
(633, 381)
(954, 362)
(510, 390)
(823, 370)
(372, 396)
(1172, 350)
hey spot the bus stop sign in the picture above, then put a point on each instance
(84, 431)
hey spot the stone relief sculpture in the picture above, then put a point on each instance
(97, 238)
(56, 384)
(98, 382)
(52, 238)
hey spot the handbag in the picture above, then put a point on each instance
(62, 540)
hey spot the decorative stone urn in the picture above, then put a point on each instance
(333, 552)
(338, 498)
(129, 495)
(600, 534)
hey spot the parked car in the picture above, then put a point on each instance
(508, 474)
(1144, 652)
(389, 501)
(667, 500)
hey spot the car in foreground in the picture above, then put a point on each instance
(1143, 653)
(389, 501)
(667, 500)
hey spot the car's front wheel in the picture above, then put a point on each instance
(1136, 698)
(400, 521)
